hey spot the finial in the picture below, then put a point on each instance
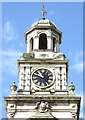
(13, 88)
(43, 12)
(71, 88)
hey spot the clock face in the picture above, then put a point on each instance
(42, 78)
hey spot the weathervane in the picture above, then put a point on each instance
(43, 12)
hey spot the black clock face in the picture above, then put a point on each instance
(42, 78)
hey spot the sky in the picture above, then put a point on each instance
(17, 17)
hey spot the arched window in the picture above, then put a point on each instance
(31, 41)
(54, 44)
(43, 41)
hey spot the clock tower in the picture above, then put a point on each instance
(43, 90)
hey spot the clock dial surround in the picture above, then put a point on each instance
(42, 78)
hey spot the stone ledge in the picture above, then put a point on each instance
(41, 119)
(38, 61)
(44, 97)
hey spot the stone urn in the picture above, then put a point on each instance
(13, 87)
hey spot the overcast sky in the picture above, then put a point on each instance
(18, 17)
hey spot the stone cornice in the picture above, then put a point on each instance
(43, 97)
(37, 61)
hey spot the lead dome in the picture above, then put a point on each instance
(43, 22)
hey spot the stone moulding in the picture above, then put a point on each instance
(48, 99)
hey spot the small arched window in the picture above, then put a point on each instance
(43, 41)
(31, 41)
(54, 44)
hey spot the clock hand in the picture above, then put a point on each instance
(40, 75)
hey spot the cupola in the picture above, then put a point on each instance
(43, 35)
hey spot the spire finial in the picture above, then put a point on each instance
(43, 12)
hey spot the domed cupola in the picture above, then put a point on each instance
(43, 35)
(44, 23)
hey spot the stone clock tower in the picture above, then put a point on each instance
(43, 90)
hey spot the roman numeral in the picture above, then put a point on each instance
(43, 71)
(49, 74)
(34, 77)
(49, 80)
(46, 83)
(35, 74)
(38, 72)
(50, 77)
(38, 83)
(42, 84)
(35, 80)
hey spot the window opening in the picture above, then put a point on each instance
(31, 43)
(43, 41)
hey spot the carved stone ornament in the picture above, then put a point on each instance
(26, 56)
(73, 115)
(13, 87)
(73, 109)
(12, 114)
(59, 56)
(71, 89)
(42, 106)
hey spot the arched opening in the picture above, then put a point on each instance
(54, 44)
(31, 41)
(43, 41)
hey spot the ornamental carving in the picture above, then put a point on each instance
(42, 106)
(11, 114)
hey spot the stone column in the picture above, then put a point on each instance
(28, 46)
(57, 46)
(49, 44)
(36, 43)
